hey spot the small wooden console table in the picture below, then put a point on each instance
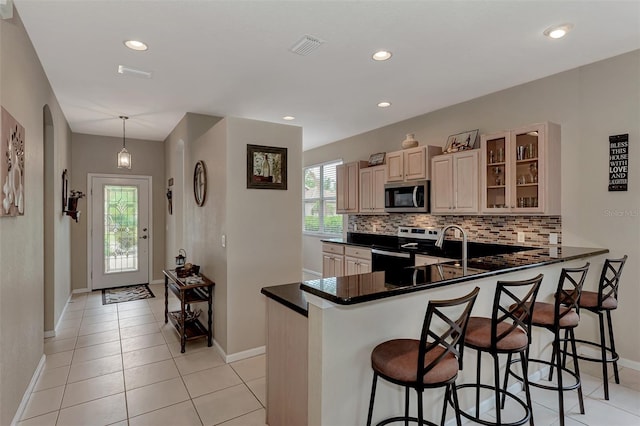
(188, 329)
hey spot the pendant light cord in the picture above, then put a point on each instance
(124, 119)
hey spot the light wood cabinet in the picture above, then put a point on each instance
(332, 260)
(455, 183)
(520, 170)
(372, 180)
(347, 182)
(357, 260)
(410, 164)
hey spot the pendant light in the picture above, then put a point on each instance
(124, 158)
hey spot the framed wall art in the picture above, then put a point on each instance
(11, 166)
(461, 141)
(266, 167)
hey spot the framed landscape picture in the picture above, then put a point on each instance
(266, 167)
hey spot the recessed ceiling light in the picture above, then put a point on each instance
(384, 104)
(288, 117)
(136, 45)
(558, 31)
(381, 55)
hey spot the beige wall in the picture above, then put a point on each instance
(590, 103)
(97, 154)
(262, 227)
(24, 91)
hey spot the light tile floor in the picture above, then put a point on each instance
(120, 364)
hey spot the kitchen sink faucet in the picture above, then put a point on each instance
(440, 242)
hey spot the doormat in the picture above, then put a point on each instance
(126, 294)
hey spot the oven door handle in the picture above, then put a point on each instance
(391, 253)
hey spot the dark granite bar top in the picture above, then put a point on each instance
(450, 248)
(361, 288)
(355, 289)
(289, 295)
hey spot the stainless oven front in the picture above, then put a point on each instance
(387, 260)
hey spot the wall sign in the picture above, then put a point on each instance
(618, 162)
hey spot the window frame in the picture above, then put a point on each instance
(322, 199)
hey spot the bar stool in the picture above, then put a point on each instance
(433, 361)
(604, 301)
(563, 314)
(508, 331)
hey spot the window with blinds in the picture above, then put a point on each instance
(319, 203)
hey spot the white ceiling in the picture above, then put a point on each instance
(232, 58)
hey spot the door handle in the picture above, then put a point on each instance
(144, 237)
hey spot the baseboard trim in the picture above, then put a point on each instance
(238, 356)
(52, 333)
(81, 290)
(314, 273)
(27, 393)
(592, 352)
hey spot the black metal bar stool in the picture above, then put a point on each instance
(508, 331)
(603, 302)
(433, 361)
(563, 314)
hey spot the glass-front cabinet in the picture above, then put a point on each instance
(521, 170)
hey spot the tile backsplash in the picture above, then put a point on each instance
(484, 229)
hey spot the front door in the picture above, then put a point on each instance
(120, 231)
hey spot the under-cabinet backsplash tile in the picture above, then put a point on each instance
(486, 229)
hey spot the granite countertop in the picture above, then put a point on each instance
(361, 288)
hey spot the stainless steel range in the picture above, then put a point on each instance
(410, 240)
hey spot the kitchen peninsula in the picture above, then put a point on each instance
(318, 358)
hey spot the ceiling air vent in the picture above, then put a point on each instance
(125, 70)
(306, 45)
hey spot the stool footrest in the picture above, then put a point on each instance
(501, 391)
(405, 419)
(573, 386)
(614, 356)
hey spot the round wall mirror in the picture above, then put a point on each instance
(200, 183)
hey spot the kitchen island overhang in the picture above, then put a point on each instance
(345, 322)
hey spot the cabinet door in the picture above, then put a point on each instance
(465, 182)
(328, 268)
(351, 266)
(526, 175)
(338, 266)
(495, 180)
(395, 169)
(364, 266)
(347, 177)
(366, 185)
(377, 189)
(442, 184)
(415, 164)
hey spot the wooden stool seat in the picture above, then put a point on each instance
(397, 359)
(479, 335)
(589, 300)
(544, 315)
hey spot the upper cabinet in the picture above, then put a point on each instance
(410, 164)
(454, 183)
(347, 180)
(521, 170)
(372, 180)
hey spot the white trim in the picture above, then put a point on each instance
(27, 393)
(239, 355)
(52, 333)
(310, 272)
(90, 176)
(81, 290)
(595, 353)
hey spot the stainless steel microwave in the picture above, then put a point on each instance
(407, 197)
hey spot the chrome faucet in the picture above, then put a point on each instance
(440, 242)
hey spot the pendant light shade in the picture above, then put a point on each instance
(124, 157)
